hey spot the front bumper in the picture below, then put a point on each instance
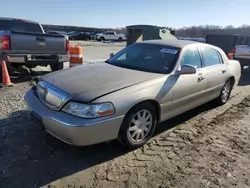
(71, 129)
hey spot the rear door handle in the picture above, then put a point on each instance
(224, 71)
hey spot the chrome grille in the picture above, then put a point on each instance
(50, 95)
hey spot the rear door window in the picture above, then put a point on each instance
(110, 33)
(211, 56)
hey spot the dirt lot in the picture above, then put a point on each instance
(206, 147)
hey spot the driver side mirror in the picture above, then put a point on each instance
(111, 55)
(188, 69)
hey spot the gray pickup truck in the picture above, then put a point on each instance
(24, 42)
(242, 54)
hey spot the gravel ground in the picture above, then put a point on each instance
(98, 51)
(92, 51)
(206, 147)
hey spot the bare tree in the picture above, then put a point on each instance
(203, 30)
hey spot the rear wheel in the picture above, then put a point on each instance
(102, 39)
(56, 66)
(120, 39)
(225, 92)
(138, 126)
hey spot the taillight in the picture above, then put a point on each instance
(230, 55)
(67, 46)
(5, 42)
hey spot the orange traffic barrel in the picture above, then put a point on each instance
(75, 56)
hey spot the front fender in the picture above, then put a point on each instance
(123, 100)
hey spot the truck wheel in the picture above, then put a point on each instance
(57, 66)
(102, 39)
(120, 39)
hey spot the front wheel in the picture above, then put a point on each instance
(225, 92)
(56, 66)
(120, 39)
(138, 126)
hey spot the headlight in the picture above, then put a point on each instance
(89, 110)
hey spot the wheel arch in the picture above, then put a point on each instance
(152, 102)
(232, 78)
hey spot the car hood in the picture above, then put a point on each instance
(90, 81)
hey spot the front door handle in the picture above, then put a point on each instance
(224, 71)
(200, 78)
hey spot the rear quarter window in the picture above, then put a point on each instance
(211, 56)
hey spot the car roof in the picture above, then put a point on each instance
(171, 42)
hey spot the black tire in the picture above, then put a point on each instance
(120, 39)
(221, 100)
(102, 39)
(124, 136)
(56, 66)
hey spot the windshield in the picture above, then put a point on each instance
(147, 57)
(22, 26)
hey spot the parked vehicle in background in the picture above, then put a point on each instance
(142, 85)
(55, 32)
(110, 35)
(72, 33)
(192, 39)
(25, 43)
(227, 41)
(80, 36)
(242, 54)
(94, 36)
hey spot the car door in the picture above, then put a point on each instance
(188, 90)
(215, 69)
(108, 36)
(112, 36)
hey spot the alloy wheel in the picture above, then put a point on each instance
(140, 126)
